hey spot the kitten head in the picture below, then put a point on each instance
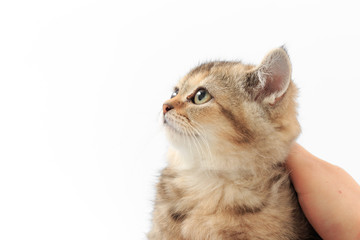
(225, 115)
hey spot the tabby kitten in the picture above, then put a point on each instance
(230, 126)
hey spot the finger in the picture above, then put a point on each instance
(329, 197)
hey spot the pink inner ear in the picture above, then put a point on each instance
(277, 77)
(274, 72)
(274, 84)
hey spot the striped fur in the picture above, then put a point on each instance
(225, 177)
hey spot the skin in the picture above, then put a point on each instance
(329, 197)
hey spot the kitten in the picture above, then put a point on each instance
(230, 126)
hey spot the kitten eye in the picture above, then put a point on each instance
(202, 96)
(176, 91)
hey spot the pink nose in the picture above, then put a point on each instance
(167, 107)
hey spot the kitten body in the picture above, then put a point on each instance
(230, 126)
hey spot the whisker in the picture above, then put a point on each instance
(199, 131)
(194, 138)
(195, 141)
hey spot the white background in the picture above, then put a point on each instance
(82, 85)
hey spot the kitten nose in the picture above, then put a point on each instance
(167, 107)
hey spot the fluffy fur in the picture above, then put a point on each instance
(225, 177)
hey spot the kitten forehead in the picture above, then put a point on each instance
(211, 71)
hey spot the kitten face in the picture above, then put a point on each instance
(221, 109)
(199, 103)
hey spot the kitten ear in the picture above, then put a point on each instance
(271, 77)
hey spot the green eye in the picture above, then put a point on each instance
(202, 96)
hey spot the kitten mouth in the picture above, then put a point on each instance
(176, 127)
(172, 127)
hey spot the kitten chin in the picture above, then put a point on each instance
(230, 126)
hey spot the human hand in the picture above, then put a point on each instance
(329, 197)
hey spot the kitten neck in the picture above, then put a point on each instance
(243, 164)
